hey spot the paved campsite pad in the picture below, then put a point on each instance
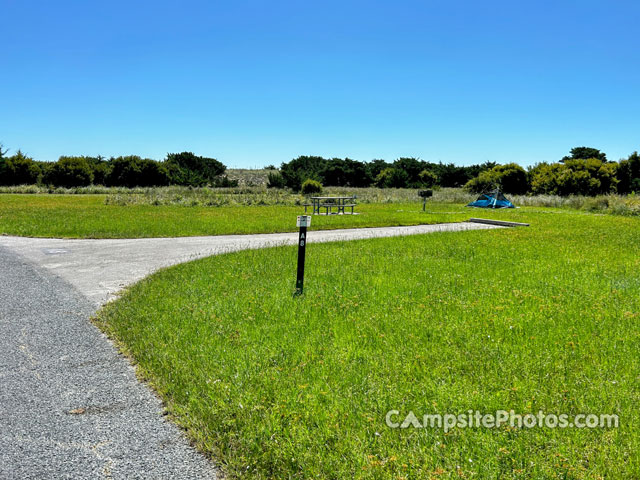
(99, 269)
(70, 405)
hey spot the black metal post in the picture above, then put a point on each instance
(303, 222)
(302, 245)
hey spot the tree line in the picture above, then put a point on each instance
(404, 172)
(585, 171)
(183, 168)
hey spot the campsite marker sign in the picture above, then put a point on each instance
(303, 222)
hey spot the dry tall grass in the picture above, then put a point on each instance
(260, 195)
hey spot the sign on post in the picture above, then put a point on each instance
(303, 222)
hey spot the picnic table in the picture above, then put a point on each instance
(329, 203)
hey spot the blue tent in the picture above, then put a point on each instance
(493, 199)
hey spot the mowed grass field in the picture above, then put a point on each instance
(526, 319)
(87, 216)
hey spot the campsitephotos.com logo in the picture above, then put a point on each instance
(499, 419)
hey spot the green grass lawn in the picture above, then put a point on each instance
(87, 216)
(540, 318)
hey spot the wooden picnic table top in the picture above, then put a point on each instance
(332, 198)
(329, 203)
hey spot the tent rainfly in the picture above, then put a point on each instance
(493, 199)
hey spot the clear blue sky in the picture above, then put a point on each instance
(259, 82)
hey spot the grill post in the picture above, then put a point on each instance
(425, 194)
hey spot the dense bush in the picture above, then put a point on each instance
(450, 175)
(18, 169)
(99, 169)
(275, 180)
(75, 171)
(392, 178)
(188, 169)
(509, 178)
(403, 172)
(575, 177)
(309, 187)
(349, 173)
(628, 174)
(127, 171)
(134, 171)
(411, 168)
(427, 178)
(585, 171)
(4, 170)
(302, 168)
(485, 182)
(376, 166)
(3, 165)
(68, 172)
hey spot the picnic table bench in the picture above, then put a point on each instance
(329, 203)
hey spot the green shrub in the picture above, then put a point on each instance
(575, 177)
(310, 186)
(346, 172)
(450, 175)
(275, 180)
(301, 168)
(188, 169)
(3, 164)
(628, 174)
(68, 172)
(19, 169)
(4, 171)
(339, 172)
(100, 172)
(374, 167)
(512, 178)
(412, 167)
(427, 178)
(482, 183)
(509, 178)
(133, 171)
(392, 178)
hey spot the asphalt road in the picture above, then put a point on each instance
(70, 405)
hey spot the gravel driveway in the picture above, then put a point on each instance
(70, 406)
